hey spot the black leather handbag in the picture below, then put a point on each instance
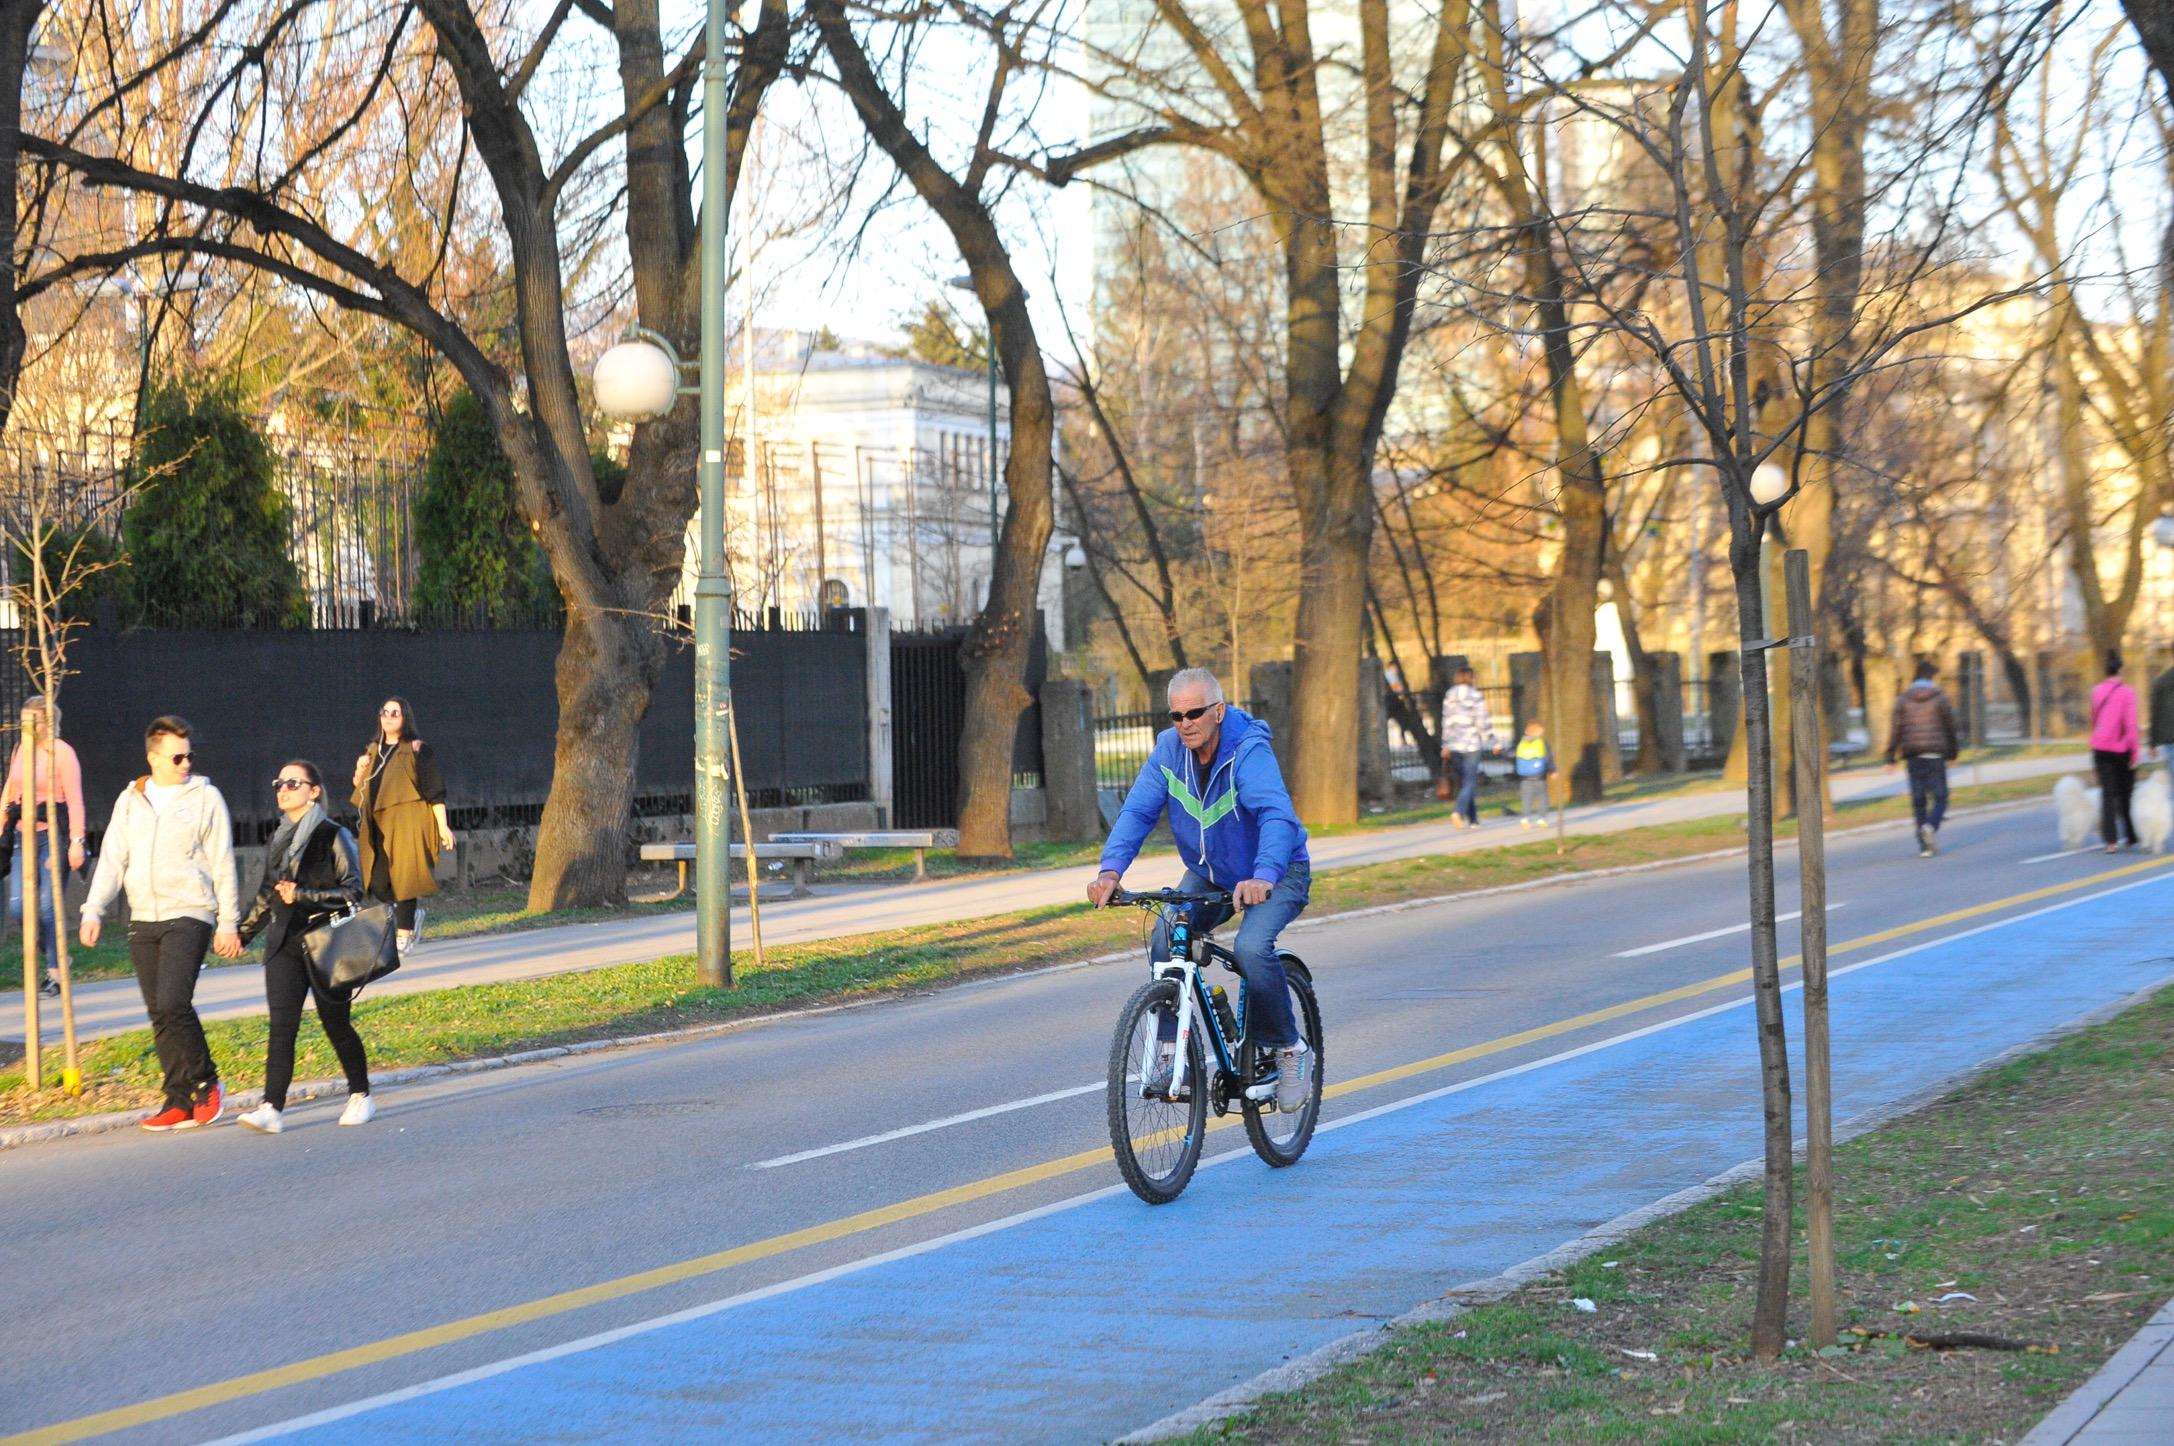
(351, 949)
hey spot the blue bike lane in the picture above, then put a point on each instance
(1089, 1319)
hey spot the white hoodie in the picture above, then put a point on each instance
(176, 862)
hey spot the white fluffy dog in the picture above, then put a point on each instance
(2152, 810)
(2078, 810)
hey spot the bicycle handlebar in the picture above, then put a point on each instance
(1170, 896)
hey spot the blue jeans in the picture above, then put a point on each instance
(42, 891)
(1929, 791)
(1468, 785)
(1268, 998)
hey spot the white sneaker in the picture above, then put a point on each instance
(359, 1111)
(265, 1120)
(1294, 1078)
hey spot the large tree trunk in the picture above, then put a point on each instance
(607, 666)
(1645, 683)
(1335, 498)
(996, 653)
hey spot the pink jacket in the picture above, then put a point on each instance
(71, 785)
(2113, 717)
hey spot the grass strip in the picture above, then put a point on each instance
(2034, 1205)
(472, 1021)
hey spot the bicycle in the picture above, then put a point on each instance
(1156, 1134)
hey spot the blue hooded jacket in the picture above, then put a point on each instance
(1232, 820)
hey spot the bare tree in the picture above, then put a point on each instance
(1266, 113)
(282, 210)
(996, 652)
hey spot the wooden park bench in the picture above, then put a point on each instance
(802, 856)
(919, 840)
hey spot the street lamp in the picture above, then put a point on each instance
(966, 283)
(1769, 483)
(641, 375)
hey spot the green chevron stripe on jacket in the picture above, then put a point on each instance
(1203, 814)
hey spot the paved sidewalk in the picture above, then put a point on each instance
(2130, 1402)
(839, 911)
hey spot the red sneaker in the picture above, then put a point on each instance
(173, 1117)
(211, 1106)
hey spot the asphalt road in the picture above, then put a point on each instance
(841, 911)
(136, 1267)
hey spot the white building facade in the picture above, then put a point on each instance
(862, 479)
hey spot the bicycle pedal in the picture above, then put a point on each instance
(1265, 1090)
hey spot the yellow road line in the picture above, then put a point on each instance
(180, 1403)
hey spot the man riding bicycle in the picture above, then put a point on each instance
(1232, 818)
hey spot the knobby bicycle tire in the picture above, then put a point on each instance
(1142, 1126)
(1258, 1116)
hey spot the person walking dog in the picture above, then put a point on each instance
(170, 846)
(2114, 745)
(311, 872)
(400, 796)
(1922, 730)
(61, 785)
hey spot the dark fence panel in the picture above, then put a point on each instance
(928, 712)
(928, 715)
(486, 702)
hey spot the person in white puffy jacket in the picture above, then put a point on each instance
(1467, 732)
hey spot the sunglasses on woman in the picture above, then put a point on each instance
(281, 785)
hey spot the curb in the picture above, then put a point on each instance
(2071, 1420)
(17, 1136)
(1305, 1370)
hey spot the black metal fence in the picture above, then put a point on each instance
(486, 701)
(351, 523)
(928, 715)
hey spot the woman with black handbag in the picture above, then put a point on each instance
(310, 874)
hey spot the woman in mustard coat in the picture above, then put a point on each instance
(400, 797)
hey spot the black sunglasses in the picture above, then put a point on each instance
(179, 757)
(1189, 714)
(281, 785)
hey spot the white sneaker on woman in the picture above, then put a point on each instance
(265, 1120)
(359, 1111)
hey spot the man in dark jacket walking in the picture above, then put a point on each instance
(1923, 733)
(2162, 714)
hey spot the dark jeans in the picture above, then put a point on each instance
(168, 956)
(1468, 785)
(2117, 779)
(381, 889)
(1268, 996)
(42, 891)
(287, 983)
(1929, 791)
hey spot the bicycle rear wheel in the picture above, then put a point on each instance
(1278, 1137)
(1156, 1140)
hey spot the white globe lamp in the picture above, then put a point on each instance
(636, 380)
(1769, 484)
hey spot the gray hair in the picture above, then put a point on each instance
(1194, 678)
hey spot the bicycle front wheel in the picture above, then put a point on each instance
(1156, 1138)
(1279, 1137)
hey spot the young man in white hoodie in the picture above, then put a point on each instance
(170, 846)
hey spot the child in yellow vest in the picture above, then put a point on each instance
(1534, 767)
